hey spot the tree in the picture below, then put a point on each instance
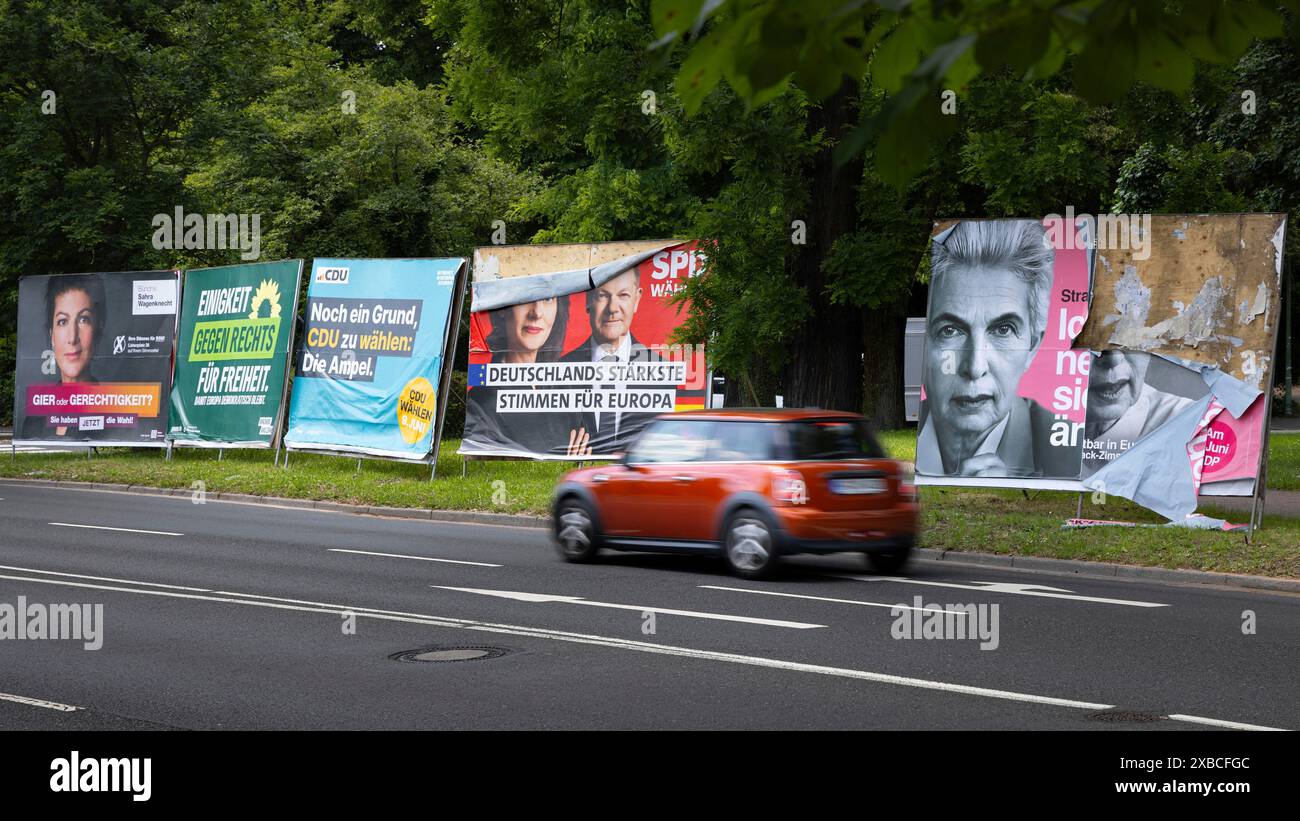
(237, 107)
(916, 49)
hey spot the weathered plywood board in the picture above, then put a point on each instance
(503, 261)
(1204, 288)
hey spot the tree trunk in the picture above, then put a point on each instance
(882, 365)
(825, 368)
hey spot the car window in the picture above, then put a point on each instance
(831, 439)
(671, 440)
(742, 442)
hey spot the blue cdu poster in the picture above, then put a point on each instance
(375, 357)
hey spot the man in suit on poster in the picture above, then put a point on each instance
(611, 307)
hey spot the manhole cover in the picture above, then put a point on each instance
(1127, 716)
(436, 654)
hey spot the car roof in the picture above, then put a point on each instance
(762, 414)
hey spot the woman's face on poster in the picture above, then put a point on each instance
(980, 342)
(1114, 382)
(72, 333)
(530, 324)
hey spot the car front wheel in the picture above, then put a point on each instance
(750, 545)
(575, 531)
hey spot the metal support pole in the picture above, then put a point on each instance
(1079, 512)
(221, 454)
(1287, 403)
(1261, 479)
(464, 467)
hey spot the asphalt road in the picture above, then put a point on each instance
(236, 616)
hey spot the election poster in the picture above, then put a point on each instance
(1202, 290)
(1126, 354)
(236, 331)
(94, 359)
(1004, 390)
(374, 367)
(571, 349)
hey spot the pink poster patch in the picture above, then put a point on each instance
(1057, 377)
(1232, 445)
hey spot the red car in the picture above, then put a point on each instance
(752, 485)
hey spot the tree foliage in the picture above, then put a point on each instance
(914, 49)
(590, 120)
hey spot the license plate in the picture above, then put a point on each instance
(853, 486)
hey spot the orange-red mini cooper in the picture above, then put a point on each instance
(752, 485)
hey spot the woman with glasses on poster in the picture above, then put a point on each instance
(526, 333)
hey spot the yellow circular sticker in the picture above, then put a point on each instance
(415, 406)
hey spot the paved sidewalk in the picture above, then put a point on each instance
(1276, 503)
(1286, 424)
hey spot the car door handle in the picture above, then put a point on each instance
(684, 478)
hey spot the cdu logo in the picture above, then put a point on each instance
(332, 276)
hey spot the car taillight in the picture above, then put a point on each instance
(907, 480)
(788, 486)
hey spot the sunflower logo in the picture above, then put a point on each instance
(267, 291)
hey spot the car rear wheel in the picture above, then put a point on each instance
(892, 560)
(575, 530)
(750, 545)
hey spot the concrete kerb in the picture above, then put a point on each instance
(452, 516)
(1106, 570)
(947, 557)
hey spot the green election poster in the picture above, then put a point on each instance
(231, 360)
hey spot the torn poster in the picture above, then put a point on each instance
(1028, 383)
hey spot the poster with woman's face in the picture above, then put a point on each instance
(1003, 389)
(94, 357)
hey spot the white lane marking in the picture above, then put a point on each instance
(119, 529)
(1231, 725)
(101, 578)
(601, 641)
(404, 556)
(836, 601)
(38, 702)
(545, 598)
(1016, 587)
(1003, 587)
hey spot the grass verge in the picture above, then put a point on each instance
(989, 521)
